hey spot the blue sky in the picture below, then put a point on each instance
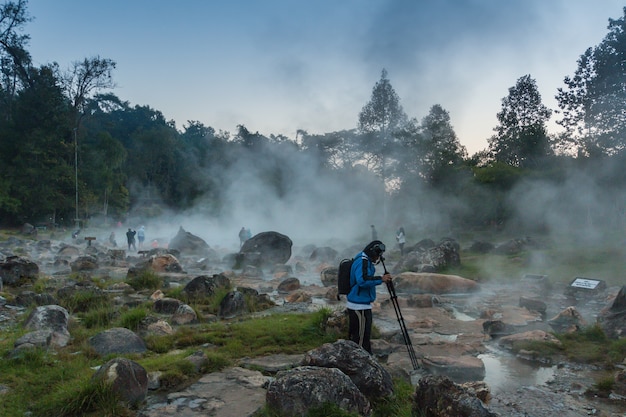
(277, 66)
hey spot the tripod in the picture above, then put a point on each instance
(396, 307)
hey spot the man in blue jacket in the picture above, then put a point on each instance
(363, 292)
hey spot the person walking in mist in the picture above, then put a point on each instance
(374, 232)
(363, 293)
(141, 236)
(243, 236)
(401, 239)
(112, 240)
(130, 237)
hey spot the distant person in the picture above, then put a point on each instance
(75, 233)
(130, 237)
(401, 239)
(243, 236)
(374, 233)
(112, 240)
(363, 293)
(248, 234)
(141, 236)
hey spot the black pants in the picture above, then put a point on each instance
(360, 327)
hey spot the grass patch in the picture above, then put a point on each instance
(400, 405)
(145, 280)
(131, 318)
(84, 300)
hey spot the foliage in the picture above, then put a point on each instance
(400, 404)
(131, 318)
(521, 136)
(145, 280)
(592, 101)
(378, 120)
(84, 300)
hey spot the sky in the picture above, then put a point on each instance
(279, 66)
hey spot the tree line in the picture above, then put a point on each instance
(73, 150)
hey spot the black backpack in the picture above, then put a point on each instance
(343, 277)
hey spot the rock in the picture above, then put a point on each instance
(298, 297)
(425, 258)
(459, 369)
(28, 298)
(16, 271)
(297, 390)
(272, 247)
(613, 318)
(533, 304)
(229, 393)
(127, 378)
(186, 242)
(568, 320)
(438, 396)
(233, 304)
(511, 341)
(166, 305)
(324, 254)
(52, 318)
(328, 276)
(184, 315)
(496, 328)
(84, 263)
(288, 285)
(363, 369)
(117, 340)
(415, 282)
(205, 286)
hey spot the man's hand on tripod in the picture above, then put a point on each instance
(387, 277)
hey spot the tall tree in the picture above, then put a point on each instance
(86, 78)
(15, 61)
(443, 152)
(521, 137)
(379, 120)
(593, 104)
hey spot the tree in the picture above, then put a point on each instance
(37, 157)
(378, 120)
(85, 78)
(593, 105)
(443, 152)
(521, 137)
(15, 61)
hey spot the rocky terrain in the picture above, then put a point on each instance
(456, 330)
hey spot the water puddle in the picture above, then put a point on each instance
(505, 372)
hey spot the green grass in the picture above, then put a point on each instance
(57, 382)
(145, 280)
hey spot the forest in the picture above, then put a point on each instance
(73, 153)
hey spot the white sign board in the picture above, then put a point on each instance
(586, 283)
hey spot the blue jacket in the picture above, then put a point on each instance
(362, 280)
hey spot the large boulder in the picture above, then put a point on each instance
(117, 340)
(272, 248)
(16, 271)
(233, 304)
(423, 258)
(438, 396)
(612, 319)
(364, 370)
(297, 390)
(188, 243)
(128, 378)
(204, 286)
(416, 282)
(53, 319)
